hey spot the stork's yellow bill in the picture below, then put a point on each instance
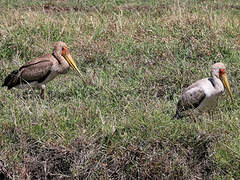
(224, 79)
(69, 59)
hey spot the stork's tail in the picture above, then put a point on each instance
(11, 80)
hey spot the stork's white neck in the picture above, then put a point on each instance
(218, 85)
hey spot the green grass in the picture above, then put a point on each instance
(117, 120)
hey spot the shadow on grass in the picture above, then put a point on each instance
(89, 157)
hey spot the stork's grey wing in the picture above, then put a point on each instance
(191, 99)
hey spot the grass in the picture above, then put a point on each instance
(117, 120)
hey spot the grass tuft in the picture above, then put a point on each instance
(117, 120)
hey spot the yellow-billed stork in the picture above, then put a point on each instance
(38, 72)
(202, 95)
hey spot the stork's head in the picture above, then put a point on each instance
(60, 48)
(219, 70)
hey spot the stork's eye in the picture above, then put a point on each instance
(64, 51)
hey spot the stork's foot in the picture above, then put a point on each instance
(44, 94)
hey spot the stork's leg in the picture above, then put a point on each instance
(44, 92)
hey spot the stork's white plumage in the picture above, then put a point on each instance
(202, 95)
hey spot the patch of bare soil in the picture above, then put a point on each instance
(50, 7)
(226, 7)
(143, 8)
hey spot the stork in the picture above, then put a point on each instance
(202, 95)
(36, 73)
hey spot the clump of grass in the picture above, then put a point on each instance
(117, 120)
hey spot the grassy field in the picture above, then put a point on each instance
(117, 120)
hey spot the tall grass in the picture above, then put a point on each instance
(117, 120)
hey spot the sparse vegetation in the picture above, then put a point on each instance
(117, 121)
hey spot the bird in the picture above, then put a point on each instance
(203, 94)
(36, 73)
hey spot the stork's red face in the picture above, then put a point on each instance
(222, 72)
(64, 51)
